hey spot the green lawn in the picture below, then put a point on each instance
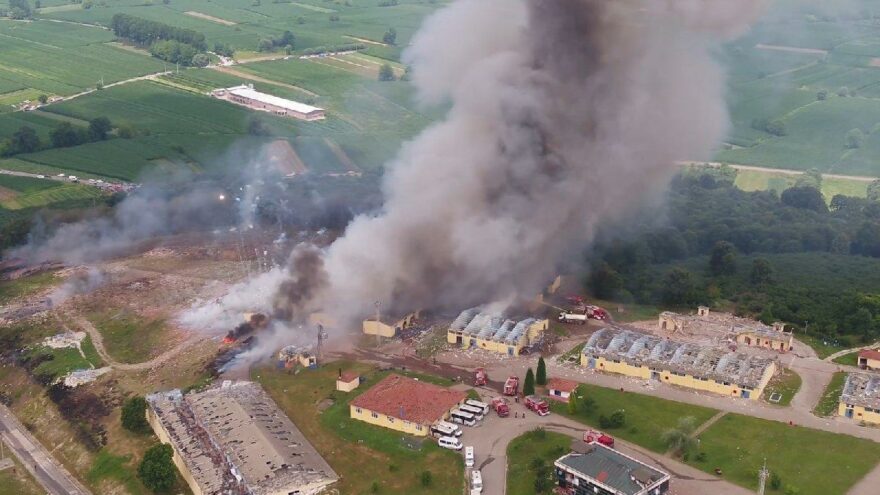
(849, 359)
(522, 454)
(815, 462)
(787, 383)
(647, 417)
(130, 338)
(60, 362)
(360, 453)
(574, 352)
(827, 405)
(822, 347)
(625, 313)
(10, 289)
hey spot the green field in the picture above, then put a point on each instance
(815, 462)
(827, 405)
(850, 359)
(786, 383)
(59, 362)
(523, 453)
(362, 454)
(130, 338)
(25, 286)
(754, 180)
(647, 418)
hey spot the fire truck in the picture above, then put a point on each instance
(581, 314)
(511, 386)
(591, 436)
(538, 405)
(480, 377)
(501, 407)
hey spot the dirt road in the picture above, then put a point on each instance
(783, 171)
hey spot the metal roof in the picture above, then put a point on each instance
(250, 93)
(611, 468)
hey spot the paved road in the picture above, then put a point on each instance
(54, 478)
(784, 171)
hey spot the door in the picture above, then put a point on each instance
(849, 413)
(745, 394)
(510, 351)
(591, 363)
(655, 375)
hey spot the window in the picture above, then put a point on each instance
(375, 415)
(615, 360)
(418, 427)
(357, 410)
(390, 419)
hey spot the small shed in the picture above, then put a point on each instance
(347, 381)
(560, 388)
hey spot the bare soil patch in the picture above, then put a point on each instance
(207, 17)
(282, 155)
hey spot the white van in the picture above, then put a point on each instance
(476, 481)
(469, 456)
(446, 424)
(476, 411)
(451, 443)
(479, 405)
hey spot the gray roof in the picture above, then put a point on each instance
(862, 389)
(613, 469)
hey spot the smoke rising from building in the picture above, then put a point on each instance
(564, 113)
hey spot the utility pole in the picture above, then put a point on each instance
(762, 478)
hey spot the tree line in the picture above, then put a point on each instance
(170, 43)
(716, 247)
(64, 135)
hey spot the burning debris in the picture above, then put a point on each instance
(253, 322)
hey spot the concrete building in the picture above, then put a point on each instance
(560, 388)
(348, 381)
(860, 400)
(247, 96)
(597, 469)
(725, 325)
(292, 356)
(473, 329)
(712, 369)
(869, 359)
(234, 439)
(405, 404)
(389, 326)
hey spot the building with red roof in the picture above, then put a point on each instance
(405, 404)
(347, 381)
(869, 359)
(560, 388)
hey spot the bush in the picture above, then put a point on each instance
(616, 420)
(134, 415)
(775, 481)
(157, 470)
(854, 139)
(386, 73)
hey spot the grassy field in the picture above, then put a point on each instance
(361, 454)
(59, 362)
(802, 458)
(822, 347)
(17, 481)
(786, 383)
(754, 180)
(827, 405)
(130, 338)
(647, 418)
(522, 453)
(850, 359)
(25, 286)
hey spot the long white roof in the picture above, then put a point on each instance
(250, 93)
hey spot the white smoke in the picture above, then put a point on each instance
(76, 284)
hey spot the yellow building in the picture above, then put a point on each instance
(473, 329)
(860, 400)
(869, 359)
(405, 404)
(387, 326)
(741, 330)
(347, 381)
(293, 356)
(710, 369)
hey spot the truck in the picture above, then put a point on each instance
(572, 317)
(480, 377)
(581, 314)
(499, 404)
(591, 436)
(597, 313)
(538, 405)
(511, 386)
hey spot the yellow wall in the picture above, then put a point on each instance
(666, 376)
(347, 387)
(871, 364)
(758, 341)
(154, 422)
(373, 327)
(859, 414)
(388, 422)
(531, 334)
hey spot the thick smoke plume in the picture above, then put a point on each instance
(564, 113)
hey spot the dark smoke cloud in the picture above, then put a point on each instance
(564, 113)
(307, 278)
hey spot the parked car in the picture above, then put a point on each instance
(450, 443)
(469, 456)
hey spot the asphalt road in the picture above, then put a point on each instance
(54, 478)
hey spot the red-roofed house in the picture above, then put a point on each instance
(347, 381)
(869, 359)
(560, 388)
(405, 404)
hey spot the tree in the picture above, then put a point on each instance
(43, 99)
(806, 198)
(19, 9)
(842, 91)
(134, 415)
(541, 373)
(266, 45)
(777, 128)
(200, 60)
(678, 440)
(24, 140)
(125, 131)
(529, 383)
(616, 420)
(810, 178)
(65, 135)
(678, 287)
(854, 138)
(386, 73)
(573, 401)
(256, 127)
(762, 272)
(588, 405)
(874, 190)
(156, 469)
(722, 259)
(822, 95)
(390, 37)
(99, 127)
(605, 282)
(775, 481)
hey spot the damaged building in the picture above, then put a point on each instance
(475, 329)
(234, 439)
(708, 368)
(389, 325)
(730, 327)
(860, 400)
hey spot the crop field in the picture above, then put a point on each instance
(756, 180)
(54, 58)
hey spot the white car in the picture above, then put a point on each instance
(451, 443)
(41, 176)
(469, 456)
